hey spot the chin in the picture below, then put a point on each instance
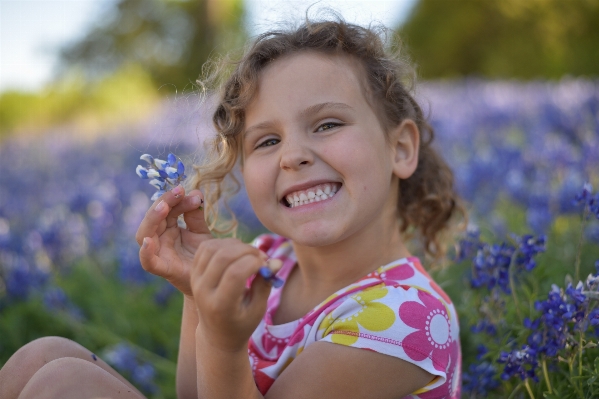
(313, 237)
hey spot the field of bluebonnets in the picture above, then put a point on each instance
(526, 160)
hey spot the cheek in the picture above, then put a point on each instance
(361, 162)
(257, 183)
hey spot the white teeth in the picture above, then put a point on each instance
(320, 193)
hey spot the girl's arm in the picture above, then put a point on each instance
(187, 386)
(323, 370)
(224, 374)
(228, 313)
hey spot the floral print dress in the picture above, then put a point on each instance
(397, 310)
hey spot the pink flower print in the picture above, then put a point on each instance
(269, 342)
(433, 337)
(398, 273)
(451, 388)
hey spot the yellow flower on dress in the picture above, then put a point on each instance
(372, 316)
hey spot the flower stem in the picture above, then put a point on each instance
(513, 287)
(580, 240)
(546, 375)
(575, 385)
(515, 391)
(580, 360)
(527, 385)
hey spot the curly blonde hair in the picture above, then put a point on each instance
(427, 202)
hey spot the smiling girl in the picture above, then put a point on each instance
(337, 161)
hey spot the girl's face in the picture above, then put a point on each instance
(317, 166)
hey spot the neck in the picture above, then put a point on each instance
(335, 266)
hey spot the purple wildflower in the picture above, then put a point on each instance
(521, 363)
(594, 317)
(528, 248)
(162, 173)
(480, 379)
(124, 358)
(584, 196)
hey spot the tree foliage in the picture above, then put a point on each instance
(504, 38)
(170, 39)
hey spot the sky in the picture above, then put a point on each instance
(31, 31)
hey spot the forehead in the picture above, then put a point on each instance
(301, 79)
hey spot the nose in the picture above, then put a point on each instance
(296, 155)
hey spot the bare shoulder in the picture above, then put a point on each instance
(327, 370)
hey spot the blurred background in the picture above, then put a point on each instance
(86, 87)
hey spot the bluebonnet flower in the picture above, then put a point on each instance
(55, 299)
(129, 269)
(594, 317)
(594, 205)
(562, 313)
(162, 173)
(480, 379)
(165, 292)
(585, 195)
(528, 248)
(519, 363)
(124, 358)
(491, 267)
(469, 245)
(481, 351)
(144, 375)
(485, 326)
(22, 279)
(586, 198)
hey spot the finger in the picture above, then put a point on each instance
(258, 295)
(154, 222)
(192, 208)
(234, 278)
(229, 251)
(149, 261)
(176, 197)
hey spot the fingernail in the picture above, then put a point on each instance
(196, 200)
(145, 242)
(160, 206)
(178, 191)
(274, 264)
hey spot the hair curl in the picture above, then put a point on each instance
(427, 204)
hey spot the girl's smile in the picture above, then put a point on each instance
(318, 166)
(315, 192)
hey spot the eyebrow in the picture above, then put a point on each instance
(311, 110)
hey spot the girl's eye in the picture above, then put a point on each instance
(327, 126)
(268, 143)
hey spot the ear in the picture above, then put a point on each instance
(405, 143)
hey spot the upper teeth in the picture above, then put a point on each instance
(313, 194)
